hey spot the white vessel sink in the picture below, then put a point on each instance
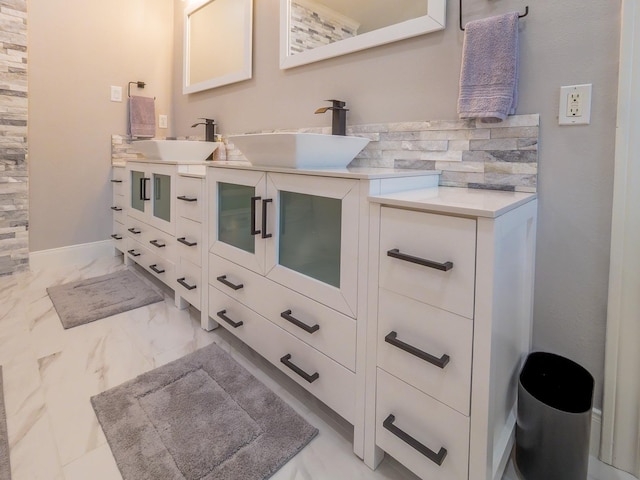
(298, 150)
(175, 150)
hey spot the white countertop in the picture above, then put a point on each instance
(361, 173)
(460, 201)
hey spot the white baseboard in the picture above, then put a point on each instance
(73, 254)
(596, 432)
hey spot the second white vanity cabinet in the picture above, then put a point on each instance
(288, 270)
(450, 304)
(163, 224)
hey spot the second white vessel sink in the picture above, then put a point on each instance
(298, 150)
(175, 150)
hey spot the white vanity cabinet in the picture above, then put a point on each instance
(287, 271)
(450, 302)
(118, 207)
(163, 223)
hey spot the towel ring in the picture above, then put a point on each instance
(137, 84)
(526, 12)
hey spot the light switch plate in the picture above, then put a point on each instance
(575, 105)
(116, 93)
(163, 121)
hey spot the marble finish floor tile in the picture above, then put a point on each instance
(51, 373)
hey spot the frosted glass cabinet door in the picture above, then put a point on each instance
(314, 248)
(137, 190)
(162, 197)
(235, 227)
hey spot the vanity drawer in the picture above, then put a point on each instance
(188, 282)
(429, 330)
(118, 235)
(419, 236)
(118, 211)
(160, 243)
(118, 178)
(189, 197)
(189, 240)
(159, 267)
(428, 422)
(325, 329)
(334, 385)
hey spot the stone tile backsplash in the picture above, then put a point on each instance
(469, 153)
(14, 191)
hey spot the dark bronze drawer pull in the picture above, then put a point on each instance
(309, 378)
(436, 458)
(156, 244)
(288, 317)
(184, 198)
(115, 181)
(265, 202)
(155, 268)
(445, 267)
(223, 279)
(133, 253)
(115, 236)
(135, 231)
(438, 362)
(116, 209)
(186, 242)
(223, 316)
(182, 282)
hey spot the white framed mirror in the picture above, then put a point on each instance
(217, 43)
(314, 30)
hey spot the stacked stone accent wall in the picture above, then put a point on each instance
(14, 192)
(469, 153)
(311, 29)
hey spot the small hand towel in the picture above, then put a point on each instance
(489, 73)
(142, 117)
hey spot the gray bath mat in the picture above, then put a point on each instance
(5, 465)
(88, 300)
(202, 417)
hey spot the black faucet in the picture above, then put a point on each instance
(209, 129)
(339, 119)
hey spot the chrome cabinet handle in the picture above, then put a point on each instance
(223, 279)
(395, 253)
(309, 378)
(427, 357)
(223, 316)
(182, 282)
(436, 458)
(290, 318)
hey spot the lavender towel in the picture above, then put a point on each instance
(489, 74)
(142, 117)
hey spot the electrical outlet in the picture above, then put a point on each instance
(575, 105)
(116, 93)
(163, 121)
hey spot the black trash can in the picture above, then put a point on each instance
(555, 396)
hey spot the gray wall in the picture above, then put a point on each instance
(562, 43)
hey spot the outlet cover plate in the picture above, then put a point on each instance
(116, 93)
(581, 96)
